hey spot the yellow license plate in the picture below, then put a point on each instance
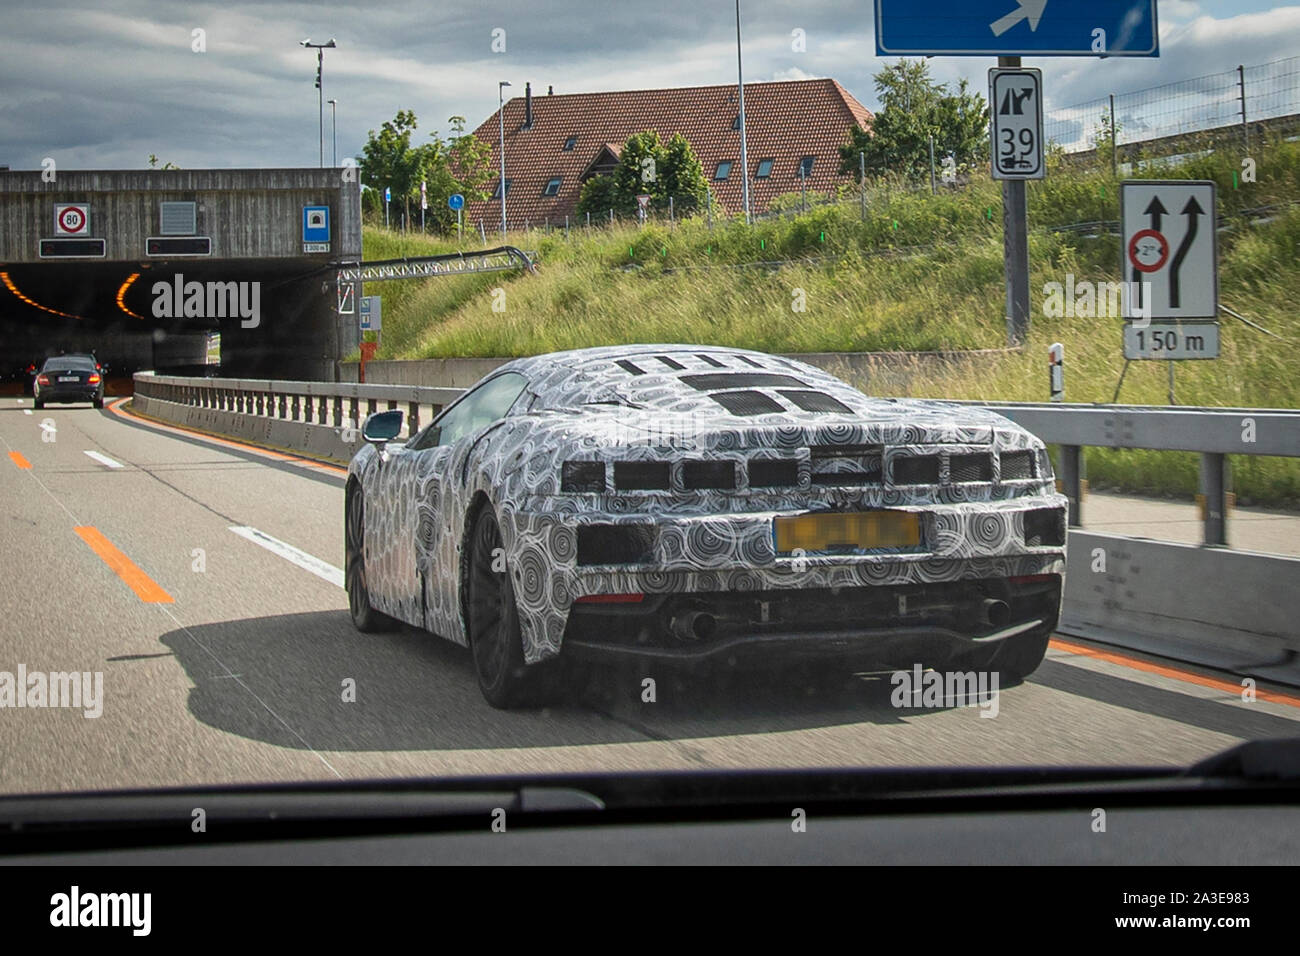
(864, 531)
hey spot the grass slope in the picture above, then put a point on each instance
(919, 273)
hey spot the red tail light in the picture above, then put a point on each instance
(611, 599)
(42, 380)
(94, 378)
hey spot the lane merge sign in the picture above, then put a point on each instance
(1016, 108)
(1169, 244)
(1169, 258)
(1016, 28)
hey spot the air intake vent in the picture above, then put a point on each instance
(671, 363)
(708, 381)
(627, 366)
(965, 468)
(1017, 465)
(916, 470)
(709, 474)
(845, 465)
(710, 360)
(773, 473)
(1045, 527)
(746, 403)
(816, 402)
(641, 475)
(615, 544)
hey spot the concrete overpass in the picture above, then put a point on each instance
(141, 265)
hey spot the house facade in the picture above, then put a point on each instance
(554, 143)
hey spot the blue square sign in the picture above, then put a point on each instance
(315, 223)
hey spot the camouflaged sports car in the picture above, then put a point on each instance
(704, 504)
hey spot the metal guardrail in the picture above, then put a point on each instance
(1214, 433)
(321, 403)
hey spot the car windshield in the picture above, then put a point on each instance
(69, 364)
(868, 385)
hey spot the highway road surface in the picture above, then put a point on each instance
(201, 578)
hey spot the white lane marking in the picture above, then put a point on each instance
(104, 459)
(27, 411)
(287, 551)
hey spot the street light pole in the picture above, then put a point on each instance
(334, 130)
(740, 82)
(320, 49)
(501, 118)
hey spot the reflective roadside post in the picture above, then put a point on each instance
(1056, 370)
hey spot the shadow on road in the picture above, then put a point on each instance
(281, 680)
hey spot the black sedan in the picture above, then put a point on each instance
(69, 378)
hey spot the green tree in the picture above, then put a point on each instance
(458, 164)
(599, 195)
(913, 107)
(648, 166)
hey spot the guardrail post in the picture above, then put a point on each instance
(1214, 497)
(370, 406)
(1071, 472)
(297, 408)
(283, 406)
(261, 403)
(413, 418)
(322, 413)
(354, 413)
(338, 411)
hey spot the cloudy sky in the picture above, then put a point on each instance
(103, 85)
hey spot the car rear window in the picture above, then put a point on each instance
(68, 364)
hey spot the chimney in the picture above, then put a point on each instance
(528, 106)
(550, 91)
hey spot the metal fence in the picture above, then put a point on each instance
(1267, 93)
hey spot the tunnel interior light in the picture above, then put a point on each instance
(120, 298)
(9, 284)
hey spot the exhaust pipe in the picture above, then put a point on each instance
(995, 612)
(694, 626)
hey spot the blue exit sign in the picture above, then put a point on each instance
(1017, 28)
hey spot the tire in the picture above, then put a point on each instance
(38, 403)
(364, 617)
(1014, 658)
(98, 402)
(495, 637)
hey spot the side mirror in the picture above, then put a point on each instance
(382, 427)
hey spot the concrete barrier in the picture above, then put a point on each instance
(315, 441)
(1233, 610)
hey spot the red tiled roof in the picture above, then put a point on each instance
(783, 122)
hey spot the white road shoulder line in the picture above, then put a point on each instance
(104, 460)
(27, 411)
(287, 551)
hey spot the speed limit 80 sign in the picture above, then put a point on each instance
(1016, 108)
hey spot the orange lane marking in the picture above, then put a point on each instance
(1164, 671)
(227, 442)
(19, 460)
(145, 587)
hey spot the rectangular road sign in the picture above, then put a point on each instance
(315, 224)
(1171, 340)
(372, 314)
(1169, 244)
(1016, 28)
(1016, 111)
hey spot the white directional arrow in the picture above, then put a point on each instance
(1031, 10)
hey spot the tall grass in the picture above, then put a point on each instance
(920, 272)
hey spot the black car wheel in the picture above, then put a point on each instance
(494, 633)
(1013, 658)
(365, 617)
